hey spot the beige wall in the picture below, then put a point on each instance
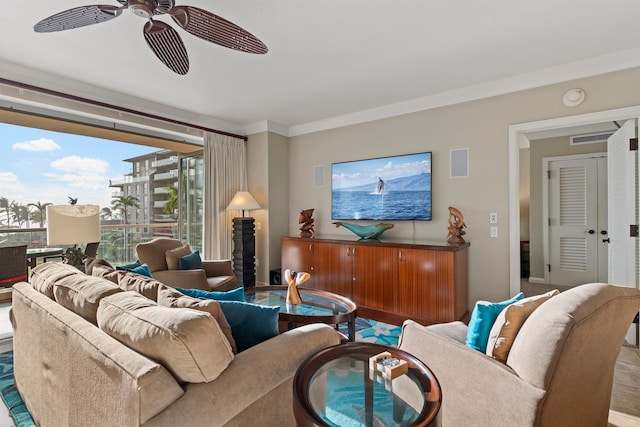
(481, 126)
(541, 149)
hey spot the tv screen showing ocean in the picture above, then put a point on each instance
(392, 205)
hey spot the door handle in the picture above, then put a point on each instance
(603, 232)
(591, 231)
(607, 240)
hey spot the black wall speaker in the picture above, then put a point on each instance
(275, 277)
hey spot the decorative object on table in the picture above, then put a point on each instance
(73, 225)
(244, 240)
(456, 225)
(294, 279)
(305, 218)
(366, 232)
(387, 365)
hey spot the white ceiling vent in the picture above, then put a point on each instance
(591, 138)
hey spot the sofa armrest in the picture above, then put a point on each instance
(220, 267)
(476, 389)
(260, 374)
(189, 279)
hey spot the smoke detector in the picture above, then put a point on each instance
(573, 97)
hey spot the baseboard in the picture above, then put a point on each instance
(6, 345)
(540, 280)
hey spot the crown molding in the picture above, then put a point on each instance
(266, 126)
(576, 70)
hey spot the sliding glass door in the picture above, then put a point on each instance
(191, 193)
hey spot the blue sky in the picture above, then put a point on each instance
(351, 174)
(40, 165)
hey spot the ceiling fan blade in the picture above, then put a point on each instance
(215, 29)
(78, 17)
(166, 43)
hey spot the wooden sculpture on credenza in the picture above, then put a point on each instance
(305, 218)
(456, 226)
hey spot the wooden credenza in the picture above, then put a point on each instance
(389, 280)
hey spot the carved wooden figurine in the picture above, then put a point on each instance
(294, 279)
(456, 225)
(305, 218)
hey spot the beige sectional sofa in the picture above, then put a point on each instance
(70, 372)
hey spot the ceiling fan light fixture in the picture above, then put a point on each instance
(142, 8)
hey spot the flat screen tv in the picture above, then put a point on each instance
(396, 188)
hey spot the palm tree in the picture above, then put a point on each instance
(40, 214)
(121, 203)
(172, 204)
(19, 213)
(5, 206)
(106, 213)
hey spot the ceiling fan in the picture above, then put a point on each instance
(164, 41)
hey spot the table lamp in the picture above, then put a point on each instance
(244, 241)
(73, 225)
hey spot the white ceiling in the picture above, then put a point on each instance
(330, 62)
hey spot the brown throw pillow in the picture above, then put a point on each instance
(169, 297)
(508, 324)
(141, 284)
(173, 256)
(189, 343)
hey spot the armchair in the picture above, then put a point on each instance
(559, 371)
(162, 255)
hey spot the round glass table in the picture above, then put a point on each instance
(335, 387)
(317, 306)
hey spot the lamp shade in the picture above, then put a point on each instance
(243, 201)
(73, 224)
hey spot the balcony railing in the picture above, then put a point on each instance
(117, 242)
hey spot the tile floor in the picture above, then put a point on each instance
(625, 401)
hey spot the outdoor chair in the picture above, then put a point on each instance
(13, 269)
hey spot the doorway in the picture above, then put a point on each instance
(521, 136)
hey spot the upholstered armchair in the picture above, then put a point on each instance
(162, 256)
(559, 371)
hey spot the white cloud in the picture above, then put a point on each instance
(81, 165)
(42, 144)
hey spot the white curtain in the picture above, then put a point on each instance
(225, 173)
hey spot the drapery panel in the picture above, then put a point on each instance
(225, 173)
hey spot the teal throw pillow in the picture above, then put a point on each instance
(250, 324)
(191, 261)
(234, 295)
(143, 270)
(129, 267)
(483, 317)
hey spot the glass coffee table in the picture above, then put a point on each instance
(335, 387)
(317, 306)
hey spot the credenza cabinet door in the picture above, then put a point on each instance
(296, 256)
(332, 268)
(374, 276)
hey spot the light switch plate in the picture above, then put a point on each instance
(493, 231)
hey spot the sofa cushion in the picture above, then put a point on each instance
(90, 263)
(169, 297)
(192, 261)
(250, 324)
(233, 295)
(173, 256)
(144, 285)
(45, 275)
(508, 324)
(82, 294)
(189, 343)
(482, 319)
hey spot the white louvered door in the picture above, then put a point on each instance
(574, 229)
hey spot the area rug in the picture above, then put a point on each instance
(10, 395)
(366, 331)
